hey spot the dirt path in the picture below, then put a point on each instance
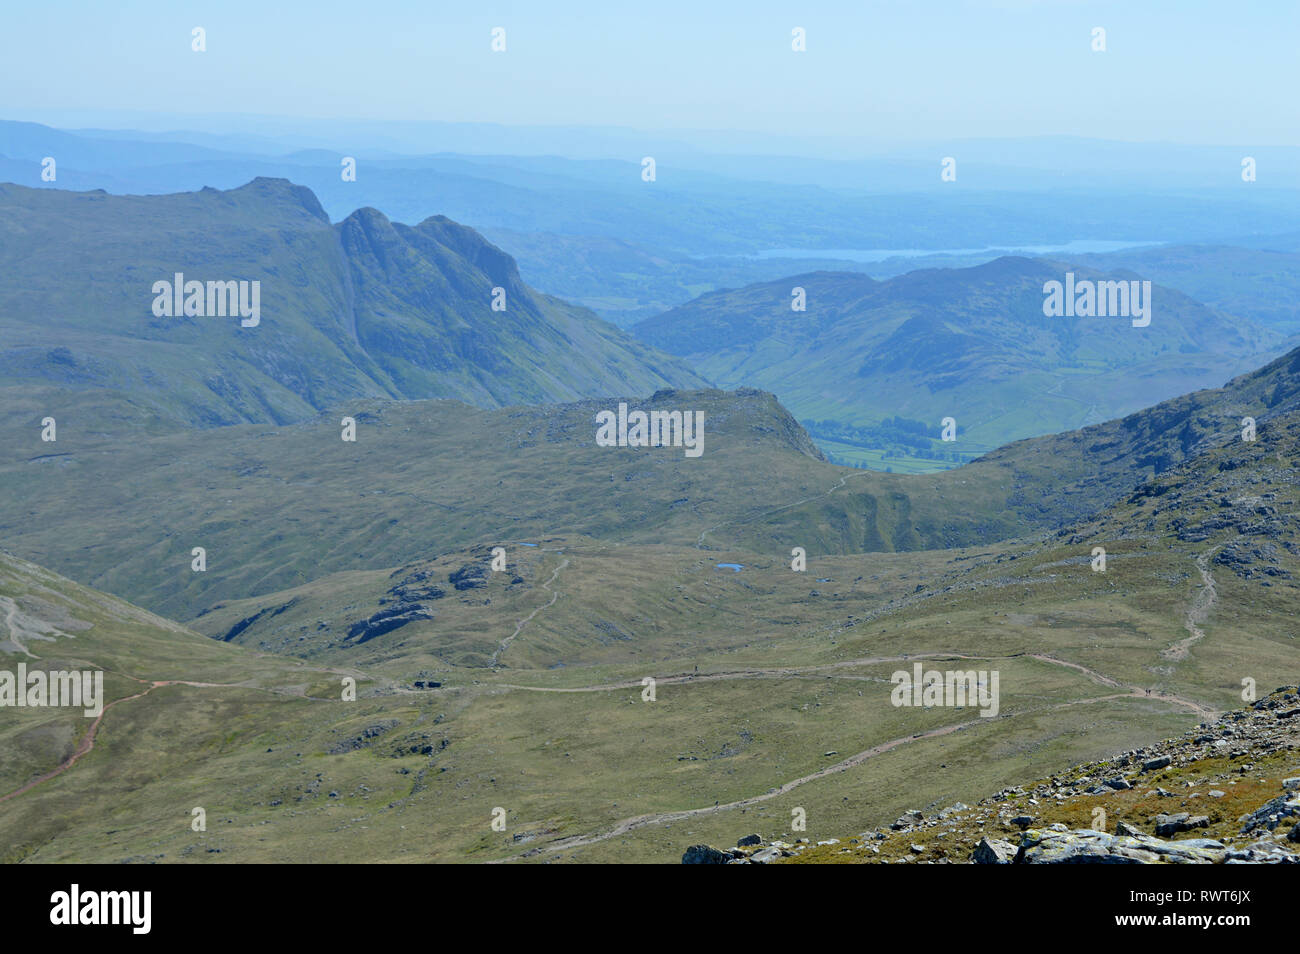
(643, 821)
(88, 739)
(85, 745)
(796, 671)
(1198, 612)
(505, 643)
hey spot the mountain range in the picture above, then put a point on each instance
(972, 344)
(362, 308)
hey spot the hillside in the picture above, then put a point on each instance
(362, 308)
(277, 507)
(773, 687)
(1225, 792)
(967, 343)
(1260, 283)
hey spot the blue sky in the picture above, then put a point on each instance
(1187, 71)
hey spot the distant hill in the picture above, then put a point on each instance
(279, 507)
(967, 343)
(1259, 283)
(365, 307)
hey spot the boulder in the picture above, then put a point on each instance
(1084, 846)
(705, 855)
(991, 851)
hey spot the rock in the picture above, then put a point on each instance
(1119, 784)
(1124, 828)
(1272, 813)
(991, 851)
(471, 576)
(1216, 793)
(765, 856)
(1171, 824)
(1291, 784)
(1023, 821)
(1158, 763)
(387, 620)
(908, 819)
(1262, 853)
(705, 855)
(749, 840)
(1084, 846)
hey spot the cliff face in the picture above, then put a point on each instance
(1227, 792)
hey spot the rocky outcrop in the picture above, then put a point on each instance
(1087, 847)
(386, 620)
(471, 576)
(364, 738)
(705, 855)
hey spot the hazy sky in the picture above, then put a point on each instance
(1189, 71)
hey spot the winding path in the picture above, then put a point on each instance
(643, 821)
(1198, 612)
(505, 643)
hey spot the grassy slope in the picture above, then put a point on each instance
(425, 477)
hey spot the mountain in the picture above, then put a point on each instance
(1261, 284)
(277, 507)
(972, 344)
(362, 308)
(521, 688)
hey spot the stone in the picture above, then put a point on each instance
(992, 851)
(705, 855)
(749, 840)
(1084, 846)
(1152, 765)
(1171, 824)
(907, 820)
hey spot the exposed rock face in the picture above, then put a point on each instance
(1273, 813)
(1087, 847)
(471, 576)
(414, 587)
(261, 614)
(387, 620)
